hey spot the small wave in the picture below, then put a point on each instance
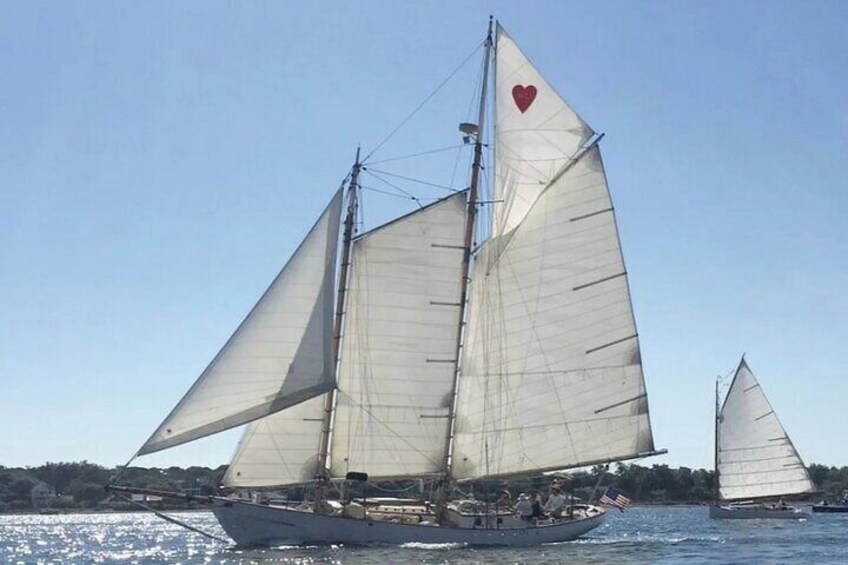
(431, 546)
(673, 540)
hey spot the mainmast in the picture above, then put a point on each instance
(347, 242)
(468, 244)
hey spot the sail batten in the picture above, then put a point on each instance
(279, 356)
(755, 457)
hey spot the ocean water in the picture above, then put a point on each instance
(640, 535)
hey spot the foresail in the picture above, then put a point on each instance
(398, 354)
(280, 449)
(756, 458)
(551, 372)
(536, 134)
(280, 355)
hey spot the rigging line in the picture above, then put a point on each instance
(173, 520)
(421, 154)
(485, 212)
(396, 187)
(410, 179)
(376, 486)
(116, 475)
(455, 165)
(469, 113)
(388, 428)
(424, 102)
(386, 192)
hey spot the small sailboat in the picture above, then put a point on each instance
(756, 464)
(413, 351)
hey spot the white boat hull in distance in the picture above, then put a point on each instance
(756, 511)
(257, 525)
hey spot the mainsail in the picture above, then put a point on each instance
(280, 355)
(552, 375)
(755, 456)
(551, 370)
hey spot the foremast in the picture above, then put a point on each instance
(468, 245)
(322, 468)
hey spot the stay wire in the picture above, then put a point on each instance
(388, 193)
(421, 154)
(424, 102)
(396, 187)
(173, 520)
(376, 172)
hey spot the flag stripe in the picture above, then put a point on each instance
(614, 498)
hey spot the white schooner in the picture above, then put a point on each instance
(414, 351)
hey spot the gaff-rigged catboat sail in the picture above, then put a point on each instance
(755, 459)
(458, 359)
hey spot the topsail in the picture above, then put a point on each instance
(536, 134)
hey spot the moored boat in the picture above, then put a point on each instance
(830, 508)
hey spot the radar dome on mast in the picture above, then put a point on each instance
(468, 130)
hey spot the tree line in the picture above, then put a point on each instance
(80, 485)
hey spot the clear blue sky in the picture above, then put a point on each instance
(159, 161)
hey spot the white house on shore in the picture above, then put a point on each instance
(42, 495)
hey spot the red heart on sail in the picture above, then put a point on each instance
(523, 96)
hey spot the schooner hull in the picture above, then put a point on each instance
(252, 525)
(755, 512)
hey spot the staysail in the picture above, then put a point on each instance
(551, 373)
(280, 449)
(279, 356)
(756, 458)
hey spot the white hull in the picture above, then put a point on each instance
(751, 512)
(252, 524)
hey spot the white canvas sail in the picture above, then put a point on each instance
(551, 373)
(756, 458)
(280, 449)
(398, 354)
(536, 134)
(280, 355)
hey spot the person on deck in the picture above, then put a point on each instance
(536, 501)
(524, 508)
(555, 503)
(504, 500)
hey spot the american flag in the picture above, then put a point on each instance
(614, 498)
